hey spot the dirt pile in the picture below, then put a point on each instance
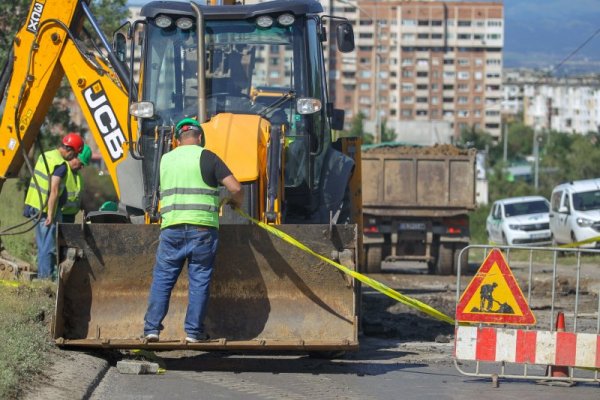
(437, 149)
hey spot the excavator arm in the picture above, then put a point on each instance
(45, 50)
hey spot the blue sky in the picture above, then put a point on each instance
(541, 33)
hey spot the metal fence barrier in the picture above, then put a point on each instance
(554, 281)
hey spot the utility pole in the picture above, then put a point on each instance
(505, 157)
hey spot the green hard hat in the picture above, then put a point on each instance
(86, 155)
(184, 122)
(109, 206)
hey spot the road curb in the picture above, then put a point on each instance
(72, 375)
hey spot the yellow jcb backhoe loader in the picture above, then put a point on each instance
(189, 60)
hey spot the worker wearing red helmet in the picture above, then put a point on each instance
(41, 201)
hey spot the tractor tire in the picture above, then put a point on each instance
(374, 259)
(445, 260)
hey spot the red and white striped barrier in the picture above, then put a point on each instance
(528, 347)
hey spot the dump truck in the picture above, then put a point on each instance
(416, 204)
(183, 60)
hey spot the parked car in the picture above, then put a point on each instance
(519, 221)
(575, 212)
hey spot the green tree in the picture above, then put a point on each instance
(387, 134)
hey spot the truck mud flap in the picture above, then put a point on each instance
(265, 293)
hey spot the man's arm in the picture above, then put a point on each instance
(235, 188)
(52, 198)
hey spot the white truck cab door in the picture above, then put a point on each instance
(559, 216)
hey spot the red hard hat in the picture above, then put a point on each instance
(74, 141)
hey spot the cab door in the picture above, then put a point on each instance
(494, 226)
(559, 213)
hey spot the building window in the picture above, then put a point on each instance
(423, 22)
(364, 86)
(478, 36)
(448, 74)
(448, 87)
(422, 100)
(463, 87)
(406, 113)
(393, 112)
(408, 36)
(422, 74)
(448, 100)
(463, 100)
(436, 22)
(364, 100)
(492, 22)
(435, 61)
(274, 61)
(463, 61)
(464, 36)
(347, 99)
(407, 61)
(493, 61)
(422, 62)
(365, 48)
(477, 100)
(421, 113)
(493, 36)
(478, 87)
(422, 87)
(434, 113)
(407, 87)
(423, 36)
(479, 23)
(435, 100)
(435, 87)
(365, 22)
(464, 23)
(365, 35)
(478, 75)
(409, 22)
(449, 61)
(407, 99)
(406, 73)
(365, 74)
(463, 113)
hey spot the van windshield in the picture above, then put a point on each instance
(584, 201)
(529, 207)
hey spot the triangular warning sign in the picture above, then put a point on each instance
(493, 296)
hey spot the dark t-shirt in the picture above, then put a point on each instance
(213, 169)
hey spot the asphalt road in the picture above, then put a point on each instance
(382, 369)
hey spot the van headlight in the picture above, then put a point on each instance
(515, 227)
(584, 222)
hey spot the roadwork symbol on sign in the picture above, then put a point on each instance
(493, 296)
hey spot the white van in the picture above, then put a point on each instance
(575, 212)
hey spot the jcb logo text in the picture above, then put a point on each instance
(105, 119)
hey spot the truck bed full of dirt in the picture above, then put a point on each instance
(438, 149)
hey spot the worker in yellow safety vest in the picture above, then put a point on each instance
(42, 199)
(74, 185)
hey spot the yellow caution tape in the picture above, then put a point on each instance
(577, 244)
(10, 283)
(380, 287)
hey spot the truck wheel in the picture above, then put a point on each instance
(374, 259)
(464, 262)
(445, 260)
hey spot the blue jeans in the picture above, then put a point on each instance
(45, 240)
(198, 246)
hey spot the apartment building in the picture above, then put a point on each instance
(423, 62)
(567, 104)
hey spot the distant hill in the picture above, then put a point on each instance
(541, 33)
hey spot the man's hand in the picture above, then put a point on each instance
(48, 221)
(235, 188)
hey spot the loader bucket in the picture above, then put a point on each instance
(265, 293)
